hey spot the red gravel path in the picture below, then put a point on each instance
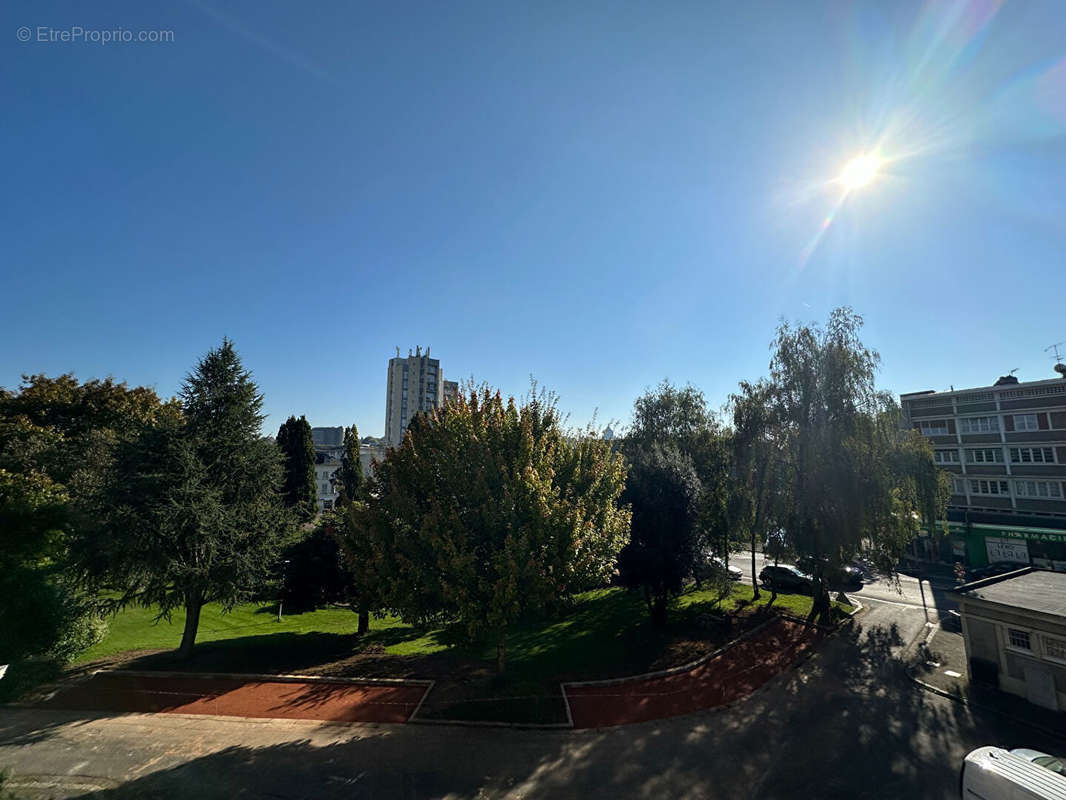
(736, 673)
(337, 702)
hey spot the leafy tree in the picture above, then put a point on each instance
(298, 452)
(314, 574)
(193, 511)
(755, 485)
(489, 511)
(854, 479)
(350, 474)
(663, 490)
(34, 613)
(679, 418)
(56, 441)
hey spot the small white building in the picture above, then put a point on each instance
(1014, 627)
(326, 464)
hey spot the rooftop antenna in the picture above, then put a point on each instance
(1013, 371)
(1053, 349)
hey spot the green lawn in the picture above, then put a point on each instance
(604, 633)
(604, 629)
(137, 629)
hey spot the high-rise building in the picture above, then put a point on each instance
(1005, 447)
(451, 390)
(414, 384)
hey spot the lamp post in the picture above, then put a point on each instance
(281, 592)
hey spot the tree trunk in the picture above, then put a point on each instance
(820, 605)
(193, 603)
(658, 612)
(364, 620)
(754, 575)
(501, 652)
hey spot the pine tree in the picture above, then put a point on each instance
(350, 474)
(194, 510)
(298, 451)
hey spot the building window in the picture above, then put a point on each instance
(1018, 639)
(1025, 422)
(1032, 455)
(325, 488)
(978, 486)
(978, 424)
(946, 456)
(937, 427)
(1039, 489)
(958, 486)
(985, 455)
(1055, 648)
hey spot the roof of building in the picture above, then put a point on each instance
(1019, 385)
(1036, 590)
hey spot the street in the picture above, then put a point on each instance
(847, 723)
(933, 596)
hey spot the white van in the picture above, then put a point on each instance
(992, 773)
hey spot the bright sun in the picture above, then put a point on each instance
(860, 171)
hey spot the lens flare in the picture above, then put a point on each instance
(860, 171)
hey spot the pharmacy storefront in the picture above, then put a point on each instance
(979, 544)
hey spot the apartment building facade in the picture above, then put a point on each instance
(414, 384)
(1005, 446)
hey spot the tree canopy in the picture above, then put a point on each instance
(663, 491)
(193, 511)
(300, 489)
(853, 478)
(488, 511)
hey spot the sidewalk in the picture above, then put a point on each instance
(944, 670)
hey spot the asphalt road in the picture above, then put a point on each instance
(848, 723)
(904, 591)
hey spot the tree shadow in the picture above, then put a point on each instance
(848, 723)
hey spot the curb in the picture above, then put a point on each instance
(663, 673)
(264, 677)
(928, 687)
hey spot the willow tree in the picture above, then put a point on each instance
(489, 511)
(853, 478)
(754, 496)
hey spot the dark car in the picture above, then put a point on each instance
(995, 568)
(786, 578)
(847, 577)
(712, 566)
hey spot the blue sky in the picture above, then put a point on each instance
(600, 195)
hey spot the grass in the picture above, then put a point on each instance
(603, 633)
(137, 629)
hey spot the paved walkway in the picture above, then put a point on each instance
(326, 701)
(727, 677)
(944, 668)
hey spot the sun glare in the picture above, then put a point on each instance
(860, 171)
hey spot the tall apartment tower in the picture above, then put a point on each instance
(415, 384)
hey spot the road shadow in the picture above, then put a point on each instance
(847, 723)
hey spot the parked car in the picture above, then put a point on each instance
(735, 573)
(1052, 763)
(786, 578)
(995, 568)
(847, 577)
(713, 565)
